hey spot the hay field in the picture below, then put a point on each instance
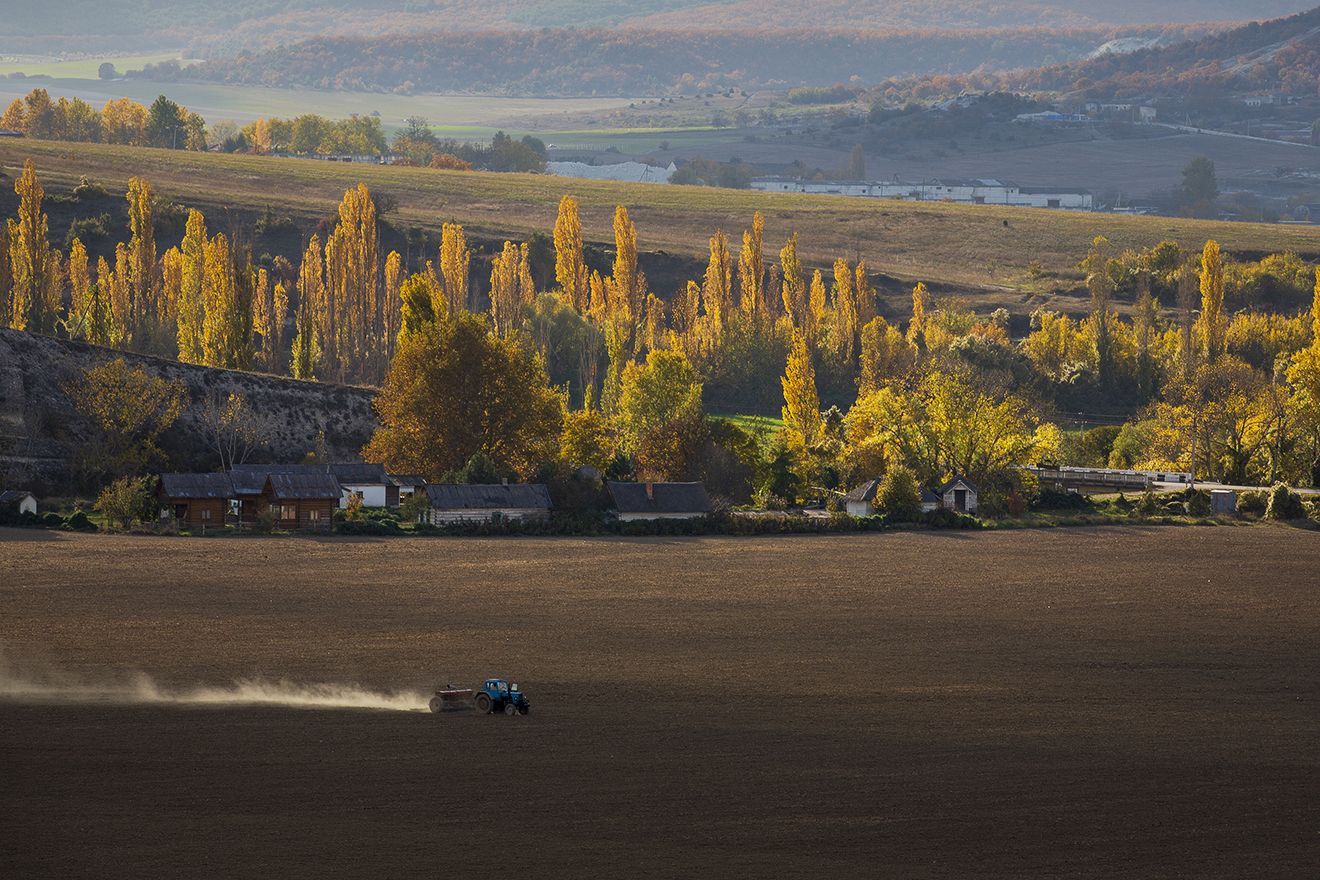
(973, 246)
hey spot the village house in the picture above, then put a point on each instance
(249, 482)
(487, 502)
(301, 501)
(18, 502)
(408, 485)
(654, 501)
(861, 501)
(195, 501)
(959, 494)
(368, 481)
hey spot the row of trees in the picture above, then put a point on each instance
(944, 391)
(120, 121)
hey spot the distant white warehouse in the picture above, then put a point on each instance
(962, 192)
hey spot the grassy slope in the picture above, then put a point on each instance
(972, 246)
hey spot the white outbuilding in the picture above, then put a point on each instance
(18, 501)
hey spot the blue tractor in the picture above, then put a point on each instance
(497, 695)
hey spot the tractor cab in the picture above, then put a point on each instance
(498, 695)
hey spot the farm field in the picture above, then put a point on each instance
(963, 245)
(459, 116)
(85, 68)
(1135, 702)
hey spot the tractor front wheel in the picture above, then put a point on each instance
(437, 705)
(483, 704)
(524, 709)
(510, 709)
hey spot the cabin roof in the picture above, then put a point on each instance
(488, 496)
(304, 487)
(213, 485)
(659, 497)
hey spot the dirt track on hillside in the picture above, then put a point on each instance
(1079, 703)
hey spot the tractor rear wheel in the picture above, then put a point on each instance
(483, 704)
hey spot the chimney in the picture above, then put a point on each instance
(650, 491)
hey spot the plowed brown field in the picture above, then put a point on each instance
(1074, 703)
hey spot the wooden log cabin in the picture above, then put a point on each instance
(195, 501)
(301, 501)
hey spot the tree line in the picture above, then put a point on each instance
(946, 390)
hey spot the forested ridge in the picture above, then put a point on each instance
(1280, 55)
(282, 19)
(635, 61)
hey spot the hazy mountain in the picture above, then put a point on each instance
(28, 25)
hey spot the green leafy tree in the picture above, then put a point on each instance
(660, 414)
(455, 389)
(899, 496)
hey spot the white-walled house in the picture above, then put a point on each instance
(369, 481)
(452, 503)
(20, 502)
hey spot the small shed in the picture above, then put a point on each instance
(18, 502)
(652, 501)
(486, 502)
(302, 501)
(198, 501)
(959, 494)
(1223, 501)
(861, 501)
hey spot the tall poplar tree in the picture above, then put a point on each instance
(455, 264)
(1212, 301)
(801, 401)
(145, 313)
(29, 257)
(625, 274)
(751, 271)
(190, 309)
(570, 265)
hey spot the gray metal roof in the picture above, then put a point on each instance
(659, 497)
(196, 486)
(14, 496)
(304, 486)
(864, 492)
(250, 479)
(488, 496)
(359, 473)
(867, 492)
(413, 480)
(954, 481)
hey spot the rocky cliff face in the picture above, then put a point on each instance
(41, 432)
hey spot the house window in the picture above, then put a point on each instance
(314, 515)
(288, 511)
(206, 514)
